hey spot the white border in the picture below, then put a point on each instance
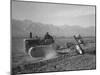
(5, 37)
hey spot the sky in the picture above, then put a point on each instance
(56, 14)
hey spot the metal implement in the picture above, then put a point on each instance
(78, 46)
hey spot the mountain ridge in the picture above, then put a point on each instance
(21, 28)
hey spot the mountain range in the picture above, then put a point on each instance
(21, 28)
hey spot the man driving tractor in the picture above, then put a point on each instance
(48, 39)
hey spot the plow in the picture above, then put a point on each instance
(40, 47)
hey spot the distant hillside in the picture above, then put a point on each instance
(21, 28)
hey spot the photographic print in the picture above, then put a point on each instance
(52, 37)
